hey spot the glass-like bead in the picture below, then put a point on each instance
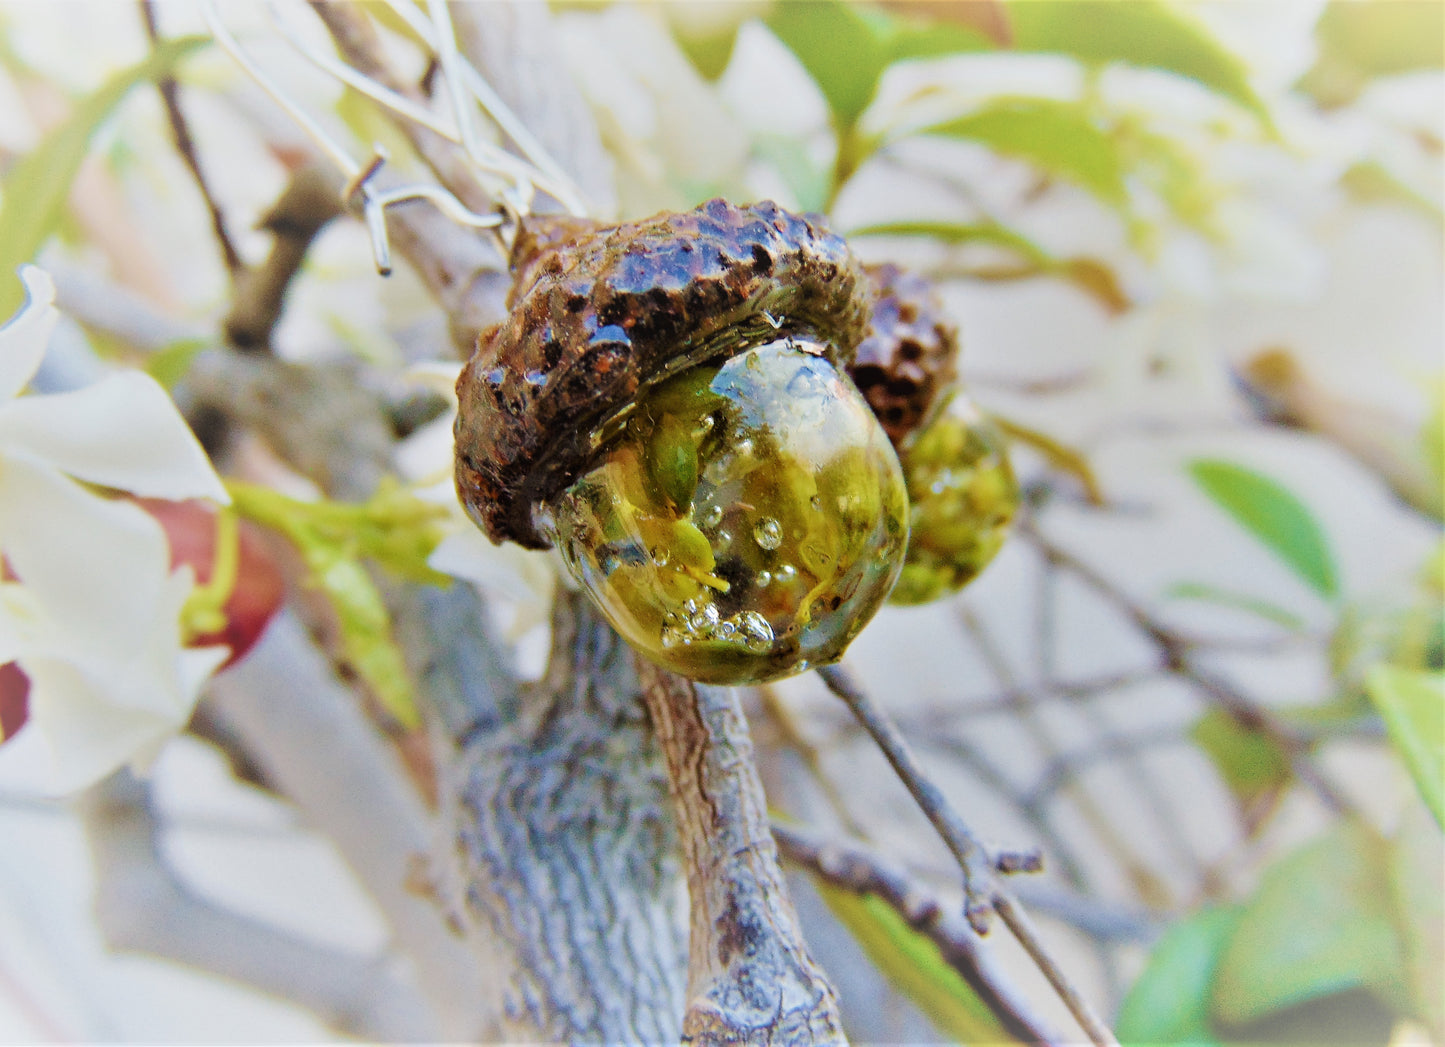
(742, 522)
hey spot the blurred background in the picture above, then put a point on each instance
(1194, 252)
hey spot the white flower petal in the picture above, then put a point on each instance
(121, 432)
(24, 338)
(89, 735)
(93, 566)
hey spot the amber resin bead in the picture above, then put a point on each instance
(962, 497)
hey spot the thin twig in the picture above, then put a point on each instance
(982, 892)
(185, 145)
(852, 868)
(1176, 655)
(973, 859)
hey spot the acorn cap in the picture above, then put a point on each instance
(909, 357)
(599, 314)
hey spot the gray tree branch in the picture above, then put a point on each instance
(751, 978)
(142, 906)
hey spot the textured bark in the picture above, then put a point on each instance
(750, 977)
(567, 851)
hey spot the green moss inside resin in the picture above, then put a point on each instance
(745, 523)
(963, 496)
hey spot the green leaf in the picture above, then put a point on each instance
(396, 530)
(1270, 612)
(1142, 33)
(169, 364)
(914, 966)
(1089, 275)
(1057, 137)
(1251, 764)
(846, 47)
(1412, 704)
(1274, 516)
(1169, 1002)
(805, 180)
(36, 187)
(1321, 922)
(1417, 868)
(1360, 41)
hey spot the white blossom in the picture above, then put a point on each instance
(90, 609)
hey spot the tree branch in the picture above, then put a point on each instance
(982, 891)
(142, 906)
(750, 976)
(855, 869)
(564, 852)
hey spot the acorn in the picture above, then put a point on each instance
(668, 404)
(908, 360)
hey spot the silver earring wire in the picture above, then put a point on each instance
(512, 181)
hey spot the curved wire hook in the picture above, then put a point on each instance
(510, 180)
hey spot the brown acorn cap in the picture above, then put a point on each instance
(909, 358)
(597, 317)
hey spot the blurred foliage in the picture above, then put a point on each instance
(914, 966)
(35, 189)
(393, 529)
(1273, 515)
(1361, 41)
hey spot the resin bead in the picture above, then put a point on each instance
(743, 521)
(962, 495)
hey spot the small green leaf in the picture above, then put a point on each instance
(1251, 764)
(846, 47)
(169, 364)
(395, 529)
(1270, 612)
(1412, 704)
(36, 187)
(1057, 137)
(1417, 868)
(1142, 33)
(1321, 922)
(915, 967)
(1274, 516)
(1169, 1002)
(1089, 275)
(1358, 42)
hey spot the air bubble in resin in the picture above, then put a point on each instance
(723, 467)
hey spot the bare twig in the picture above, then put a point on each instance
(854, 869)
(309, 201)
(750, 976)
(1176, 655)
(143, 907)
(982, 892)
(185, 145)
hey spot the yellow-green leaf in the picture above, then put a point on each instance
(1251, 764)
(1058, 138)
(169, 364)
(1360, 41)
(1321, 922)
(915, 967)
(1273, 515)
(1412, 704)
(1417, 868)
(1089, 275)
(846, 47)
(36, 187)
(1142, 33)
(1169, 1002)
